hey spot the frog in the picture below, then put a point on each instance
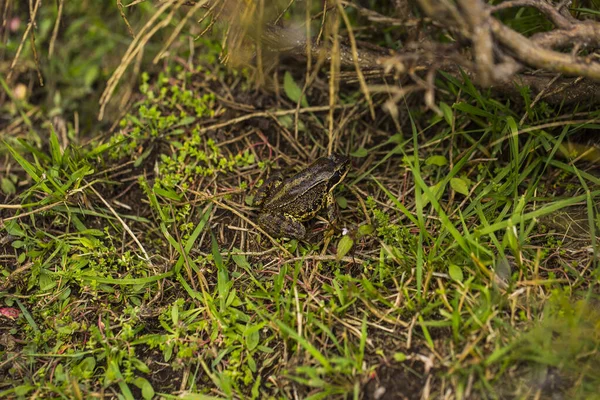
(285, 203)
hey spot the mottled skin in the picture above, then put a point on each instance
(286, 203)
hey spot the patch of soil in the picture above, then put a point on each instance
(163, 377)
(395, 383)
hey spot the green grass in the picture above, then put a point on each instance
(132, 267)
(134, 295)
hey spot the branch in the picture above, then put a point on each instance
(475, 23)
(481, 36)
(559, 20)
(563, 91)
(586, 33)
(287, 41)
(536, 56)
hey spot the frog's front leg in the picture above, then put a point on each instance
(281, 225)
(332, 210)
(269, 185)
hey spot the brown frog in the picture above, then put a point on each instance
(286, 203)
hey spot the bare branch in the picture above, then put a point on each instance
(536, 56)
(559, 20)
(477, 19)
(586, 33)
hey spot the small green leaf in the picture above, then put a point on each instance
(169, 194)
(145, 386)
(365, 230)
(292, 90)
(186, 121)
(86, 242)
(46, 282)
(87, 366)
(473, 110)
(175, 314)
(396, 139)
(287, 121)
(240, 260)
(251, 364)
(344, 246)
(460, 186)
(455, 273)
(437, 190)
(342, 202)
(252, 336)
(467, 180)
(7, 186)
(140, 365)
(447, 111)
(511, 238)
(223, 281)
(255, 387)
(168, 351)
(22, 390)
(27, 166)
(265, 349)
(215, 251)
(512, 124)
(17, 244)
(360, 152)
(440, 161)
(147, 391)
(55, 150)
(399, 357)
(91, 74)
(13, 228)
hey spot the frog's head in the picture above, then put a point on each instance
(340, 165)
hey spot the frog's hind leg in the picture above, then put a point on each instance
(282, 225)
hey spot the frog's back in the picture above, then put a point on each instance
(308, 204)
(302, 195)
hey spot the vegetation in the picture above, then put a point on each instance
(131, 265)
